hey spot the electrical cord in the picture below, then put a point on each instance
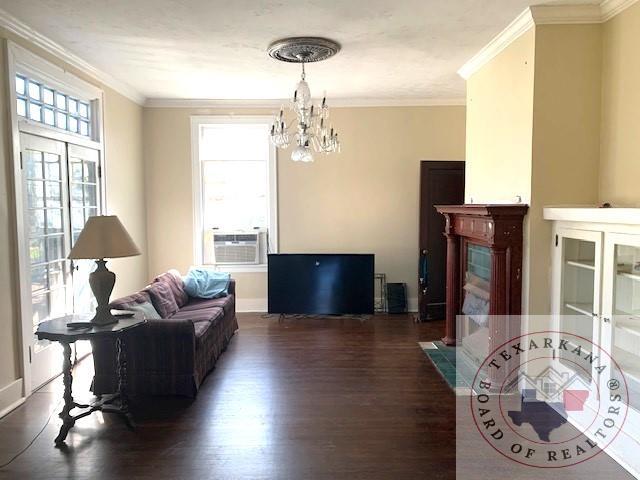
(34, 438)
(312, 316)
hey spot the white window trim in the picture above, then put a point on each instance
(21, 60)
(196, 171)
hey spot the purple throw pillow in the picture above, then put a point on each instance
(162, 299)
(134, 299)
(173, 279)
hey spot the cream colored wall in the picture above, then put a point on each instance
(566, 139)
(620, 147)
(9, 323)
(533, 130)
(499, 125)
(362, 200)
(125, 198)
(125, 185)
(499, 133)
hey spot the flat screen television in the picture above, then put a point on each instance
(321, 284)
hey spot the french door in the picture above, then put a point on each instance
(61, 191)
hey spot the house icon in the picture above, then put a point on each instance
(552, 386)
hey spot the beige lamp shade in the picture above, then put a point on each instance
(103, 237)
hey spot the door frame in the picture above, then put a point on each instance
(455, 165)
(20, 59)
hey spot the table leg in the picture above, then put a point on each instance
(67, 379)
(121, 364)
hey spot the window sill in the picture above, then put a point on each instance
(239, 268)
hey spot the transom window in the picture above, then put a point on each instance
(46, 105)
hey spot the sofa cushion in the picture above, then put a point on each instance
(200, 303)
(203, 321)
(130, 300)
(162, 299)
(201, 329)
(211, 315)
(173, 279)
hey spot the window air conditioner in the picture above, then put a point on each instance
(235, 248)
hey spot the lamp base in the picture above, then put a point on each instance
(102, 281)
(101, 320)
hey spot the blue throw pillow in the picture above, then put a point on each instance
(206, 283)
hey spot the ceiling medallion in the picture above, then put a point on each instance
(311, 129)
(303, 49)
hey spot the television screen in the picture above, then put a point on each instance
(329, 284)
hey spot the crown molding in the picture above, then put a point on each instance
(520, 25)
(543, 15)
(277, 103)
(611, 8)
(22, 30)
(565, 14)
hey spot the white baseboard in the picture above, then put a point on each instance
(251, 304)
(260, 304)
(412, 304)
(11, 397)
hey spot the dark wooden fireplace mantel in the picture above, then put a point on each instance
(497, 228)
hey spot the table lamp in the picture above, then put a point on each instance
(103, 237)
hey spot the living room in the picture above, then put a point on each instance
(188, 129)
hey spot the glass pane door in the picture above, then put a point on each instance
(621, 321)
(579, 291)
(46, 214)
(61, 190)
(85, 202)
(475, 300)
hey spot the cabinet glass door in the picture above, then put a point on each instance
(475, 300)
(621, 309)
(578, 304)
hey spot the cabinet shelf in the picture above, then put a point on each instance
(631, 276)
(628, 363)
(629, 328)
(586, 264)
(583, 308)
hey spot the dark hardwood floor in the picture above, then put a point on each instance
(312, 398)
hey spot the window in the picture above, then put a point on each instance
(234, 184)
(44, 104)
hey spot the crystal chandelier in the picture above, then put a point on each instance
(312, 130)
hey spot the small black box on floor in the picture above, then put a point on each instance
(396, 297)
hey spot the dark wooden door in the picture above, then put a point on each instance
(441, 183)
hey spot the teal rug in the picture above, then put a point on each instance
(457, 373)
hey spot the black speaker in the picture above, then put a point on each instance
(397, 297)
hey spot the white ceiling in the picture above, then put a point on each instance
(391, 49)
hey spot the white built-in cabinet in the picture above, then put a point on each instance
(595, 293)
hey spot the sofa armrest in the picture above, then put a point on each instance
(232, 287)
(159, 350)
(166, 345)
(169, 328)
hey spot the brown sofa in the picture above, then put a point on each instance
(170, 356)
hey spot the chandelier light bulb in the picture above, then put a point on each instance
(302, 154)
